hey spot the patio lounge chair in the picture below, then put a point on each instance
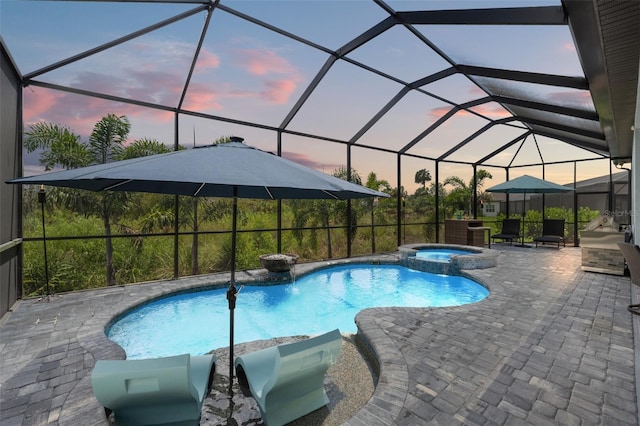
(552, 232)
(631, 254)
(156, 391)
(287, 381)
(510, 231)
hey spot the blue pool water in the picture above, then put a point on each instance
(440, 254)
(198, 322)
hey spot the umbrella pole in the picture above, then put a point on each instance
(232, 291)
(524, 205)
(42, 200)
(523, 219)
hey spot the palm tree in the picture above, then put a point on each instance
(342, 212)
(422, 177)
(320, 212)
(461, 196)
(63, 148)
(316, 213)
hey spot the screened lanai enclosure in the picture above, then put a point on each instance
(430, 101)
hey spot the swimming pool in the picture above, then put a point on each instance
(198, 322)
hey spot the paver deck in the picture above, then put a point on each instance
(550, 345)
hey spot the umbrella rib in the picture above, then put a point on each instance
(199, 189)
(335, 197)
(115, 185)
(269, 192)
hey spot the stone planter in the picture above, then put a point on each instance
(278, 262)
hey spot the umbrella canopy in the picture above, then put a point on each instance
(526, 184)
(232, 169)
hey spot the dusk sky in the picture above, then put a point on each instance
(252, 74)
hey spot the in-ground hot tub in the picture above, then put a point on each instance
(442, 255)
(447, 259)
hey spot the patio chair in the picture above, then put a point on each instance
(156, 391)
(510, 231)
(552, 232)
(631, 254)
(287, 381)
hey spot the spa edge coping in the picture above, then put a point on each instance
(411, 249)
(478, 258)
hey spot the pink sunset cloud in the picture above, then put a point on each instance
(76, 112)
(201, 97)
(82, 112)
(207, 60)
(492, 111)
(79, 113)
(277, 76)
(263, 62)
(160, 80)
(437, 113)
(306, 160)
(37, 102)
(278, 92)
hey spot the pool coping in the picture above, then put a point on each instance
(258, 277)
(392, 375)
(168, 288)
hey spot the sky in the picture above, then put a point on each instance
(249, 73)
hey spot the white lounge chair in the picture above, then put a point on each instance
(287, 381)
(156, 391)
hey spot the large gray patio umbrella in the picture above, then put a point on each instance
(526, 184)
(232, 169)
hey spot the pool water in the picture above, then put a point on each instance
(440, 254)
(198, 322)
